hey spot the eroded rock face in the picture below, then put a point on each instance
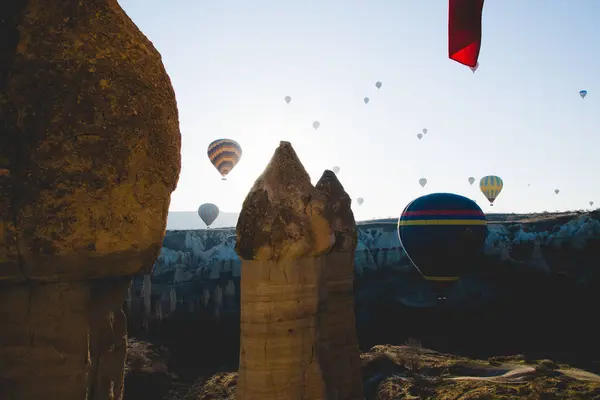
(90, 143)
(282, 234)
(194, 261)
(89, 155)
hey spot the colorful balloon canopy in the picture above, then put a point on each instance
(287, 99)
(419, 136)
(591, 203)
(423, 182)
(366, 100)
(378, 85)
(224, 154)
(360, 200)
(424, 131)
(316, 125)
(491, 186)
(208, 212)
(464, 31)
(443, 235)
(583, 93)
(556, 191)
(471, 180)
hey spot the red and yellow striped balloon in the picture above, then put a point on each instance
(224, 154)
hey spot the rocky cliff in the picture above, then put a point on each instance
(536, 290)
(198, 270)
(89, 156)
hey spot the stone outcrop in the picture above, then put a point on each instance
(341, 362)
(193, 264)
(282, 234)
(89, 155)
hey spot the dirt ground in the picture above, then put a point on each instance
(389, 372)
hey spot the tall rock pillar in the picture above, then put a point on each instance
(282, 235)
(341, 361)
(89, 156)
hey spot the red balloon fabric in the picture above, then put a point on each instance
(464, 30)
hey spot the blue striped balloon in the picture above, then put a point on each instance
(442, 234)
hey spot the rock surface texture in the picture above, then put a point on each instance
(341, 363)
(195, 264)
(282, 234)
(89, 155)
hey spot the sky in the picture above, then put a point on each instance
(519, 116)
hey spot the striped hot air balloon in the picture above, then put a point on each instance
(443, 235)
(491, 186)
(224, 154)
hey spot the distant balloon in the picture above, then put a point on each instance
(591, 203)
(491, 186)
(471, 180)
(443, 235)
(420, 136)
(378, 84)
(475, 67)
(287, 99)
(360, 200)
(583, 93)
(208, 212)
(366, 100)
(224, 154)
(316, 125)
(424, 131)
(422, 182)
(336, 170)
(556, 191)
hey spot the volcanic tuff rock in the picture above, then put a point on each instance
(282, 234)
(89, 155)
(194, 265)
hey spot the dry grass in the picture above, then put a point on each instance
(216, 387)
(413, 372)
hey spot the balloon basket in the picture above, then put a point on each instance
(223, 179)
(442, 289)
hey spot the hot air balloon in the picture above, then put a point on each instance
(424, 131)
(287, 99)
(583, 93)
(316, 125)
(224, 154)
(336, 170)
(208, 212)
(360, 200)
(378, 85)
(464, 31)
(471, 180)
(491, 186)
(443, 235)
(475, 67)
(420, 136)
(422, 182)
(591, 203)
(556, 191)
(366, 100)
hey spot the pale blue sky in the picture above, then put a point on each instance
(520, 116)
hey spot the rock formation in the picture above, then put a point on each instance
(282, 234)
(341, 363)
(89, 155)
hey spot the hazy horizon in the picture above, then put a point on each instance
(519, 116)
